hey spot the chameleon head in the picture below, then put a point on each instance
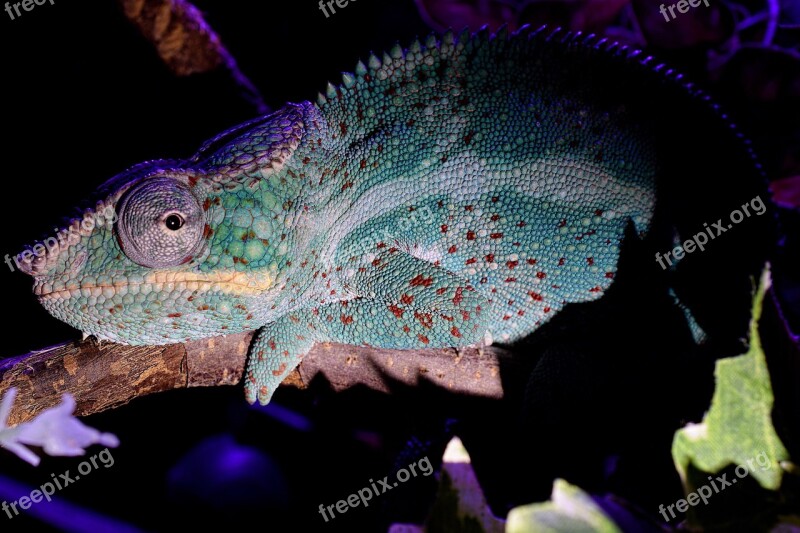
(145, 266)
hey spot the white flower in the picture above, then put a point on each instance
(54, 429)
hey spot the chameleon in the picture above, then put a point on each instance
(464, 189)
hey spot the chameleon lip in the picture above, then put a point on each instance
(238, 283)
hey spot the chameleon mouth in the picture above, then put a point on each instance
(228, 282)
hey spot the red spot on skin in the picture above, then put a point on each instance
(561, 262)
(590, 260)
(511, 280)
(471, 260)
(381, 245)
(207, 231)
(495, 199)
(595, 289)
(470, 235)
(263, 391)
(562, 223)
(610, 275)
(347, 185)
(496, 235)
(425, 319)
(521, 312)
(455, 333)
(599, 212)
(441, 290)
(444, 228)
(294, 319)
(346, 319)
(396, 311)
(465, 315)
(458, 296)
(495, 217)
(506, 317)
(535, 295)
(174, 315)
(546, 309)
(306, 160)
(193, 181)
(511, 264)
(203, 307)
(206, 204)
(531, 261)
(406, 329)
(521, 224)
(343, 128)
(376, 262)
(280, 370)
(420, 280)
(541, 275)
(489, 258)
(468, 207)
(406, 299)
(452, 249)
(363, 163)
(423, 339)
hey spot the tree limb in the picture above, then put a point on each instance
(106, 375)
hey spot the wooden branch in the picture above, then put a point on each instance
(106, 375)
(186, 43)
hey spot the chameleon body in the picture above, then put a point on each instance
(460, 190)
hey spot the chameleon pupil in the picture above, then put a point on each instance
(174, 222)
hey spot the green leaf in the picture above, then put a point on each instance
(460, 505)
(569, 510)
(737, 429)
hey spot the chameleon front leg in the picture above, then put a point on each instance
(276, 350)
(407, 302)
(402, 302)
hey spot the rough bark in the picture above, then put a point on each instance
(105, 375)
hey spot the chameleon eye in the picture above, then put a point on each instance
(174, 222)
(160, 223)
